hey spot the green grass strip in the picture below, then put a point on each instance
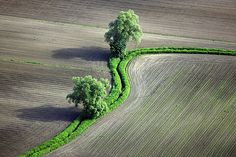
(119, 93)
(78, 126)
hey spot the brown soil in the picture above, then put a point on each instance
(62, 36)
(33, 105)
(210, 19)
(180, 105)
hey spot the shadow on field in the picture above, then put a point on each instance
(85, 53)
(48, 113)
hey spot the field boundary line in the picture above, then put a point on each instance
(120, 91)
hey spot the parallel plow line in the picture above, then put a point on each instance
(119, 93)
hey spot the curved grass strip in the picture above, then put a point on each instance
(119, 93)
(116, 85)
(78, 126)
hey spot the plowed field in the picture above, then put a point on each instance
(43, 43)
(180, 105)
(33, 105)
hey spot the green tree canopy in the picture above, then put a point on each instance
(90, 92)
(125, 28)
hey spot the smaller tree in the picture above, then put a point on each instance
(125, 28)
(90, 92)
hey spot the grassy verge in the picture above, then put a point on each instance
(119, 93)
(79, 125)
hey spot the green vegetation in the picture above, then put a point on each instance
(32, 62)
(116, 86)
(119, 93)
(76, 128)
(171, 94)
(125, 28)
(91, 93)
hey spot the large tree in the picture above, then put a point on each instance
(90, 92)
(125, 28)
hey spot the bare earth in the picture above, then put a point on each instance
(180, 105)
(44, 43)
(211, 19)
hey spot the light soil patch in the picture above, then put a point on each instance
(180, 105)
(52, 43)
(74, 45)
(209, 19)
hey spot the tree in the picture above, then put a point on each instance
(90, 92)
(125, 28)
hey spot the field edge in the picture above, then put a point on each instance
(119, 93)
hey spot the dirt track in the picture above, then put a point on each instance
(180, 105)
(29, 34)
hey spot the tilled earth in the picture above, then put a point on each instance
(33, 105)
(180, 105)
(44, 43)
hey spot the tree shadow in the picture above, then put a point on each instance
(85, 53)
(49, 113)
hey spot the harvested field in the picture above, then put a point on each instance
(180, 105)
